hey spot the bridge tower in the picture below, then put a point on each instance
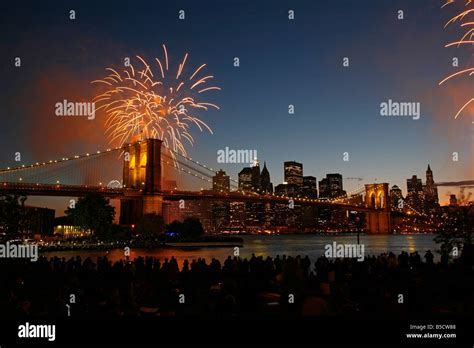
(377, 199)
(142, 170)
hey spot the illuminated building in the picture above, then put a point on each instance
(221, 182)
(396, 199)
(309, 187)
(309, 212)
(256, 176)
(245, 179)
(237, 215)
(430, 190)
(220, 210)
(335, 185)
(331, 186)
(64, 227)
(415, 196)
(286, 189)
(293, 173)
(414, 184)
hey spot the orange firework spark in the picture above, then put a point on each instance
(138, 103)
(466, 39)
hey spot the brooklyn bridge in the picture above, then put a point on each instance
(141, 190)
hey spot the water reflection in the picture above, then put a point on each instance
(311, 245)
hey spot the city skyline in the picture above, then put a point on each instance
(245, 175)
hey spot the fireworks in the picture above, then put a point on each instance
(154, 103)
(467, 39)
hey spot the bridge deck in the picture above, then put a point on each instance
(129, 193)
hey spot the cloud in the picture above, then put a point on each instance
(464, 183)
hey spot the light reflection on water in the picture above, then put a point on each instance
(267, 245)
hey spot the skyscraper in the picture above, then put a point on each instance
(335, 184)
(221, 182)
(414, 184)
(396, 198)
(309, 187)
(430, 190)
(245, 179)
(415, 196)
(324, 188)
(293, 173)
(309, 213)
(237, 215)
(265, 183)
(249, 180)
(220, 210)
(331, 186)
(255, 210)
(285, 189)
(256, 187)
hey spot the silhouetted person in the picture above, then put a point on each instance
(429, 257)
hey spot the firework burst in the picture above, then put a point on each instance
(151, 101)
(461, 19)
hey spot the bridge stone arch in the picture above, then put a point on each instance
(376, 196)
(378, 216)
(142, 171)
(381, 200)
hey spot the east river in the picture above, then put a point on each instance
(273, 245)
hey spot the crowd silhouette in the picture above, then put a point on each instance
(283, 286)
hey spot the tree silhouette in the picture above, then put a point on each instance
(13, 219)
(457, 231)
(93, 213)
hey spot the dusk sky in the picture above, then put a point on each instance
(282, 62)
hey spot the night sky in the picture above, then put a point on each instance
(282, 62)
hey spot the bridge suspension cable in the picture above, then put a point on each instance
(89, 169)
(197, 163)
(409, 206)
(187, 168)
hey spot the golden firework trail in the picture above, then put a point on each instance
(461, 19)
(154, 103)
